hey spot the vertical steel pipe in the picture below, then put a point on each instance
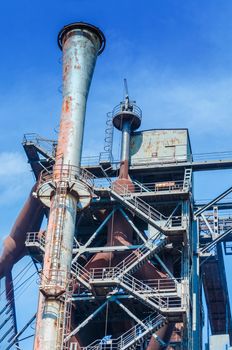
(125, 149)
(81, 43)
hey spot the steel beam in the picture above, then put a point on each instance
(115, 248)
(86, 321)
(212, 202)
(196, 285)
(12, 343)
(133, 226)
(218, 239)
(124, 308)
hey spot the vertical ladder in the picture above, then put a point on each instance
(187, 179)
(65, 318)
(54, 276)
(215, 222)
(109, 133)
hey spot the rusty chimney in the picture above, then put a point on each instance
(66, 190)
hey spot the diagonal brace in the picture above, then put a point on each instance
(85, 322)
(133, 225)
(130, 314)
(215, 200)
(94, 234)
(210, 245)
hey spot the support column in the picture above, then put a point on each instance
(196, 295)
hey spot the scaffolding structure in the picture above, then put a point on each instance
(127, 253)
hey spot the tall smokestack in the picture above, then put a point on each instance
(81, 43)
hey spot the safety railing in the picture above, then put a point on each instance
(126, 193)
(80, 273)
(132, 108)
(150, 295)
(162, 285)
(224, 223)
(174, 221)
(161, 298)
(138, 203)
(66, 173)
(162, 160)
(54, 281)
(142, 253)
(46, 144)
(35, 239)
(157, 187)
(142, 188)
(49, 145)
(129, 338)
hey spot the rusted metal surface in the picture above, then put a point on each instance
(163, 334)
(216, 294)
(29, 219)
(160, 146)
(120, 232)
(80, 43)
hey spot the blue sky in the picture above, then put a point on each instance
(176, 55)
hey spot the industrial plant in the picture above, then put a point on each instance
(128, 259)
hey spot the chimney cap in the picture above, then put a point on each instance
(82, 25)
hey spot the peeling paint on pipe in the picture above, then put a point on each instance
(80, 43)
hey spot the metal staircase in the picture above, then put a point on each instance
(131, 338)
(81, 274)
(160, 299)
(154, 297)
(139, 256)
(138, 206)
(141, 187)
(124, 195)
(131, 263)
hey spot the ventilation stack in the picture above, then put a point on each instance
(68, 187)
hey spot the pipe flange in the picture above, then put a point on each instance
(81, 26)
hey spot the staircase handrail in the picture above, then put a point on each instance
(149, 323)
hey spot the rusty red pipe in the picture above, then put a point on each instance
(29, 220)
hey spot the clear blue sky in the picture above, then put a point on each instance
(176, 55)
